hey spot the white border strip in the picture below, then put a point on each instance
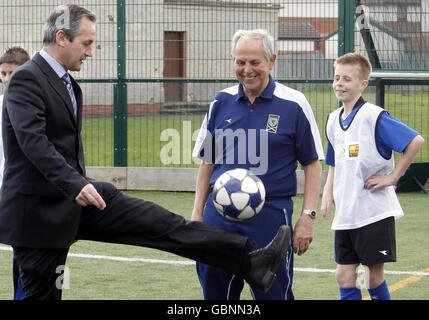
(187, 263)
(400, 75)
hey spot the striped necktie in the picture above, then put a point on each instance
(68, 84)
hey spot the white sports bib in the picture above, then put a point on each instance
(356, 159)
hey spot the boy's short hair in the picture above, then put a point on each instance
(353, 58)
(14, 55)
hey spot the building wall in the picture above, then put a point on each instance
(295, 45)
(309, 8)
(390, 13)
(209, 30)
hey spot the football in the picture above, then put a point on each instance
(238, 194)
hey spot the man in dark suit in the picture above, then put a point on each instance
(47, 202)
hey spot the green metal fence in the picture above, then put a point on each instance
(158, 63)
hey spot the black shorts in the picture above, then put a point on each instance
(369, 245)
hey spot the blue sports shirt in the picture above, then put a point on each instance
(391, 134)
(269, 137)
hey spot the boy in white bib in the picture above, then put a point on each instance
(361, 175)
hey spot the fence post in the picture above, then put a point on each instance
(346, 26)
(120, 93)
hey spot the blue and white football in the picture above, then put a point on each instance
(238, 194)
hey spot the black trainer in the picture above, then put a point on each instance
(264, 262)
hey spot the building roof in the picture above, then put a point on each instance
(404, 26)
(297, 30)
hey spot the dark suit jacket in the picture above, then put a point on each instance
(44, 161)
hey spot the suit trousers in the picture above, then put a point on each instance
(132, 221)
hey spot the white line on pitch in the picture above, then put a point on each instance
(116, 258)
(113, 258)
(184, 262)
(317, 270)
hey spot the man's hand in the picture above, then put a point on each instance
(303, 234)
(89, 196)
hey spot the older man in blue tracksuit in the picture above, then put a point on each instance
(268, 128)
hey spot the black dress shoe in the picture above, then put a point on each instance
(264, 262)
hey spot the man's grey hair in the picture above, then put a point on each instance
(66, 17)
(261, 34)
